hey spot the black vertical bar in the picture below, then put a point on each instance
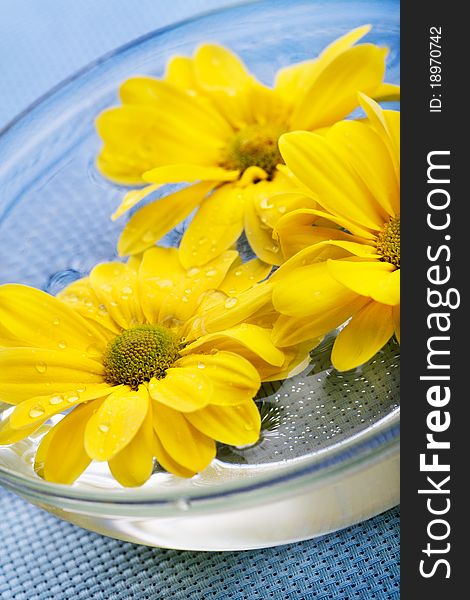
(434, 386)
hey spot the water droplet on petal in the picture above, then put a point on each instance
(211, 272)
(265, 203)
(184, 299)
(201, 365)
(187, 291)
(238, 273)
(56, 400)
(230, 302)
(192, 272)
(248, 426)
(56, 321)
(62, 344)
(36, 412)
(202, 241)
(281, 209)
(274, 248)
(106, 287)
(103, 427)
(41, 367)
(127, 289)
(72, 398)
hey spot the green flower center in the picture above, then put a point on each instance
(140, 353)
(254, 146)
(388, 242)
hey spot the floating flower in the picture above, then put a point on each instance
(153, 360)
(209, 122)
(353, 271)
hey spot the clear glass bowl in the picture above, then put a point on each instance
(329, 452)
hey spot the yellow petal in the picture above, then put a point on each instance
(182, 389)
(80, 296)
(288, 331)
(367, 332)
(189, 173)
(167, 462)
(244, 339)
(303, 219)
(319, 165)
(243, 276)
(297, 230)
(41, 320)
(333, 94)
(159, 271)
(224, 312)
(37, 409)
(152, 222)
(27, 372)
(387, 92)
(292, 81)
(116, 286)
(8, 435)
(267, 106)
(222, 74)
(185, 444)
(121, 168)
(217, 67)
(133, 465)
(140, 137)
(169, 291)
(387, 125)
(233, 378)
(317, 253)
(378, 280)
(297, 358)
(197, 115)
(235, 425)
(259, 234)
(216, 226)
(180, 71)
(366, 152)
(42, 451)
(309, 290)
(61, 456)
(116, 422)
(132, 198)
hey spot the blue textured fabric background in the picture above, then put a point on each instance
(41, 43)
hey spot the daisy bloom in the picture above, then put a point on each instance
(352, 271)
(210, 123)
(153, 360)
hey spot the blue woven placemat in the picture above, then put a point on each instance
(44, 558)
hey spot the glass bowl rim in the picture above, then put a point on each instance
(369, 445)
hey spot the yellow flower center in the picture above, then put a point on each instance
(254, 146)
(140, 353)
(388, 242)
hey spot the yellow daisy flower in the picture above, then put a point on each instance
(209, 122)
(154, 360)
(353, 173)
